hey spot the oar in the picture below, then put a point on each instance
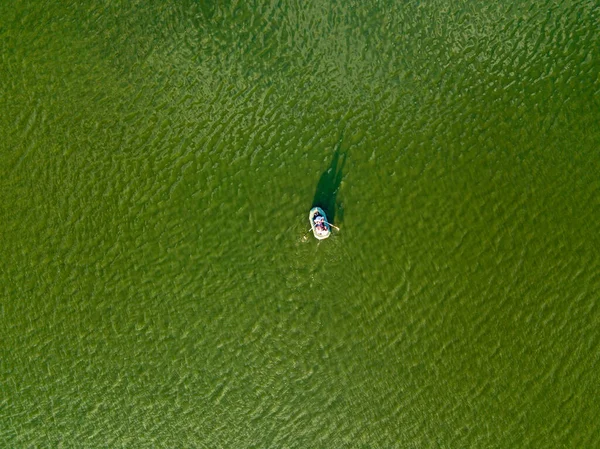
(334, 226)
(304, 236)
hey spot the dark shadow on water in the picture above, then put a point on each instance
(329, 185)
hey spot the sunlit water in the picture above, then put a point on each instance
(157, 168)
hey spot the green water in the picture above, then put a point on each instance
(157, 167)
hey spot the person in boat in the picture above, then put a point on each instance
(320, 225)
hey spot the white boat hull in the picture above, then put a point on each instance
(319, 231)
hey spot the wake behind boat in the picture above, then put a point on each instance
(319, 224)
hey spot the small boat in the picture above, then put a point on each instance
(319, 224)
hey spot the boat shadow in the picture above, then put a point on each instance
(329, 185)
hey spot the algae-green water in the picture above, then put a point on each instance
(159, 289)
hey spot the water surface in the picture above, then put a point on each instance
(158, 164)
